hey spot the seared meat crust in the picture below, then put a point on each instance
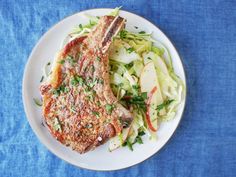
(79, 107)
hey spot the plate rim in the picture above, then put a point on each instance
(27, 65)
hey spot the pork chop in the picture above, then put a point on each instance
(79, 106)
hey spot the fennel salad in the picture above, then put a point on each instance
(142, 78)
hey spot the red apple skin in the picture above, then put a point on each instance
(148, 107)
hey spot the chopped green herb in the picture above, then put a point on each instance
(164, 104)
(67, 89)
(141, 133)
(135, 27)
(62, 61)
(137, 101)
(48, 63)
(96, 113)
(144, 95)
(92, 82)
(77, 80)
(62, 88)
(59, 90)
(139, 140)
(73, 109)
(41, 80)
(130, 145)
(149, 58)
(135, 89)
(73, 82)
(130, 50)
(81, 26)
(70, 59)
(98, 59)
(57, 125)
(109, 108)
(56, 92)
(90, 96)
(37, 102)
(142, 32)
(128, 66)
(92, 23)
(86, 90)
(123, 34)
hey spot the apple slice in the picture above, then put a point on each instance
(117, 141)
(151, 114)
(158, 61)
(160, 65)
(149, 83)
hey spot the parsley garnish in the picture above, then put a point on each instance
(98, 59)
(141, 133)
(135, 89)
(139, 140)
(77, 80)
(96, 113)
(129, 144)
(164, 104)
(70, 59)
(62, 61)
(59, 90)
(142, 32)
(92, 23)
(138, 101)
(144, 95)
(109, 108)
(123, 34)
(130, 50)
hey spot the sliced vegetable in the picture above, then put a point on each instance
(38, 102)
(115, 12)
(149, 80)
(118, 140)
(122, 52)
(158, 61)
(151, 114)
(166, 55)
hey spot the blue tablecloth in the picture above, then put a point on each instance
(204, 33)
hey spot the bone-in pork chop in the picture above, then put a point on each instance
(78, 104)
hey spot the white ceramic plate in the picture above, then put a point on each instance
(100, 158)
